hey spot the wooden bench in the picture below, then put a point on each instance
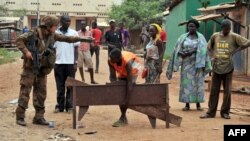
(149, 99)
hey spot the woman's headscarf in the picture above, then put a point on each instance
(158, 28)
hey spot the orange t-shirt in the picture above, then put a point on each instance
(126, 57)
(97, 34)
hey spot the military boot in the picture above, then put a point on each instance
(21, 122)
(40, 121)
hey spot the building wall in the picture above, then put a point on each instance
(76, 9)
(182, 13)
(240, 59)
(192, 11)
(176, 16)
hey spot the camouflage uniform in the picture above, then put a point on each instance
(39, 82)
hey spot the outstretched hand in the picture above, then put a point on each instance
(87, 39)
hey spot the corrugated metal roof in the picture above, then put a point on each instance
(9, 19)
(206, 17)
(172, 3)
(219, 6)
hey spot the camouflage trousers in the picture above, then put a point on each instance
(29, 80)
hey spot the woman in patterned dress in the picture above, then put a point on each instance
(154, 55)
(191, 54)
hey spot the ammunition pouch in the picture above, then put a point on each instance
(48, 61)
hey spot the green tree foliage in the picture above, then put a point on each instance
(135, 13)
(19, 13)
(4, 11)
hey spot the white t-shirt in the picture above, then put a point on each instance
(64, 50)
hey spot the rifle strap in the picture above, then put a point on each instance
(40, 35)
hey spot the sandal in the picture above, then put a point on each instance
(206, 116)
(185, 109)
(120, 123)
(199, 109)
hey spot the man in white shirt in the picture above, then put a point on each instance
(65, 65)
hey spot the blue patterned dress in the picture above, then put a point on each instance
(192, 79)
(193, 68)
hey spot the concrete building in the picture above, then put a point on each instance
(80, 11)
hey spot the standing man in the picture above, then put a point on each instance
(84, 55)
(125, 35)
(97, 34)
(113, 37)
(144, 36)
(38, 61)
(65, 65)
(222, 46)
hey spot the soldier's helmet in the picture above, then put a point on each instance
(49, 21)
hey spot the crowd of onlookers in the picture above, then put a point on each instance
(193, 55)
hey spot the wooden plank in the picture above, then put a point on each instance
(74, 108)
(150, 99)
(82, 111)
(167, 108)
(73, 82)
(157, 112)
(152, 121)
(142, 94)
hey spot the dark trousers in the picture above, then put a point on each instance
(96, 50)
(226, 80)
(62, 71)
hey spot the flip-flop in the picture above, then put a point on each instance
(185, 109)
(119, 123)
(199, 109)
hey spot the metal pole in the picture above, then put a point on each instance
(38, 13)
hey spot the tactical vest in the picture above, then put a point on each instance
(47, 54)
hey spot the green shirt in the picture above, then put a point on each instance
(223, 47)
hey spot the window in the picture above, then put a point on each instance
(79, 23)
(102, 14)
(33, 12)
(56, 4)
(10, 2)
(101, 5)
(51, 13)
(34, 3)
(77, 4)
(64, 13)
(80, 13)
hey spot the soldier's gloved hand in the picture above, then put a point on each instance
(28, 55)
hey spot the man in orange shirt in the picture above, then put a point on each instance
(97, 34)
(126, 65)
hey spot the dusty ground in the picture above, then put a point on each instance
(100, 118)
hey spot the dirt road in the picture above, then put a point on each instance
(100, 118)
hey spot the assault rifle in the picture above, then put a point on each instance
(31, 44)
